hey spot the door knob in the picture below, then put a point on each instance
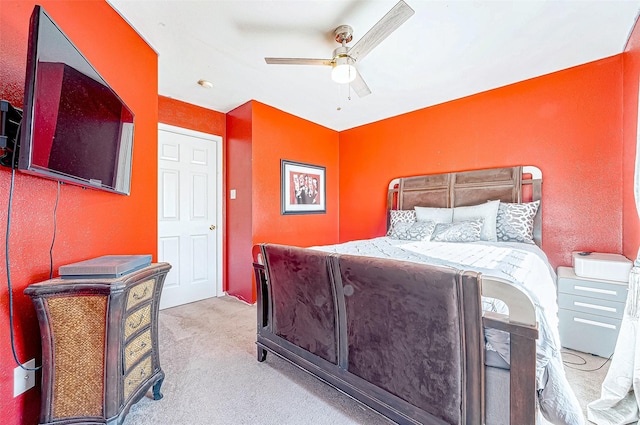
(212, 227)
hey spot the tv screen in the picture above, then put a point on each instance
(75, 128)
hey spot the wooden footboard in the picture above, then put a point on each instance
(325, 287)
(523, 329)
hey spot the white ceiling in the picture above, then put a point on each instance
(446, 50)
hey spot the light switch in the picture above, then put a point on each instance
(232, 194)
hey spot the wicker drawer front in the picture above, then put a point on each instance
(78, 328)
(137, 349)
(137, 321)
(137, 376)
(140, 293)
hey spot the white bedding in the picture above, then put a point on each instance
(527, 267)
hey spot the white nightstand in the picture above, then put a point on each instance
(590, 312)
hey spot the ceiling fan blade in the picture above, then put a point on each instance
(297, 61)
(381, 30)
(360, 87)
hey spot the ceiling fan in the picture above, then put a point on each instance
(344, 57)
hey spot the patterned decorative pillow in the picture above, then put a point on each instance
(400, 216)
(399, 230)
(417, 231)
(515, 222)
(461, 231)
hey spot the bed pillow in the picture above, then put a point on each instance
(421, 230)
(461, 231)
(416, 231)
(437, 215)
(487, 211)
(400, 216)
(515, 222)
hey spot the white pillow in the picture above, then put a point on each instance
(488, 211)
(437, 215)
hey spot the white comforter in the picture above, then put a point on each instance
(527, 267)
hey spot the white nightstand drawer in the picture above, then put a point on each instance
(599, 307)
(587, 332)
(569, 283)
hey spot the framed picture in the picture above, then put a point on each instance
(303, 188)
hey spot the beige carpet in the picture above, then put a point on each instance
(208, 353)
(585, 373)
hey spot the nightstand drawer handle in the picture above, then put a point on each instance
(142, 296)
(133, 325)
(598, 290)
(142, 346)
(594, 323)
(596, 307)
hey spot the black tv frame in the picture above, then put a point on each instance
(25, 151)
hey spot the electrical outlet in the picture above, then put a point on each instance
(24, 379)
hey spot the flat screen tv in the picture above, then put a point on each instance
(75, 128)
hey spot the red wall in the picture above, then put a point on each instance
(239, 219)
(186, 115)
(278, 135)
(89, 223)
(258, 137)
(568, 123)
(631, 224)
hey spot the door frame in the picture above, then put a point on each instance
(219, 199)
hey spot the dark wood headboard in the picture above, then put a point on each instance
(507, 184)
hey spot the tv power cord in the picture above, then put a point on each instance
(7, 263)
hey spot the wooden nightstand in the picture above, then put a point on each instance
(99, 345)
(590, 312)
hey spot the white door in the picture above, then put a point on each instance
(189, 214)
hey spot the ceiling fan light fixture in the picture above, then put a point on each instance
(343, 71)
(344, 57)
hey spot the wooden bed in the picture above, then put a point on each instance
(508, 184)
(278, 308)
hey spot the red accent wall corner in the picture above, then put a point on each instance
(258, 138)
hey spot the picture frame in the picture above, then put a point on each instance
(303, 188)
